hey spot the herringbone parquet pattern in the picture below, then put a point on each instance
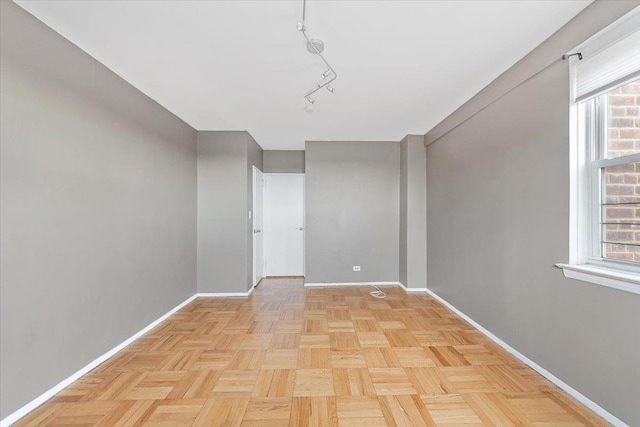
(289, 356)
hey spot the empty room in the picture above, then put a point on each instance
(320, 213)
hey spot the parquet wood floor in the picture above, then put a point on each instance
(289, 356)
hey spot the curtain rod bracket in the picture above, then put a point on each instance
(569, 55)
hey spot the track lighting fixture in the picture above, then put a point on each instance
(316, 47)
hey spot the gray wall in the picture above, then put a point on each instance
(283, 161)
(413, 211)
(225, 175)
(222, 215)
(498, 210)
(404, 187)
(352, 211)
(98, 209)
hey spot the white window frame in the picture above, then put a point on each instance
(587, 159)
(585, 262)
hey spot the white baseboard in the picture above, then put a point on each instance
(224, 294)
(548, 375)
(15, 416)
(403, 286)
(327, 285)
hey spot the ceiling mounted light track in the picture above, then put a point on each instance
(316, 47)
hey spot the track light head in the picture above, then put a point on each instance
(300, 26)
(330, 88)
(326, 74)
(311, 101)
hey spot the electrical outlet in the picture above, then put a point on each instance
(356, 268)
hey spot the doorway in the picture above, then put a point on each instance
(284, 225)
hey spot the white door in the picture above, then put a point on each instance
(258, 235)
(284, 224)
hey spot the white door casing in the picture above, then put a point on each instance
(284, 224)
(257, 221)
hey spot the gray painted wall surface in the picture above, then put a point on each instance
(498, 210)
(254, 158)
(222, 211)
(352, 211)
(404, 184)
(98, 209)
(283, 161)
(416, 212)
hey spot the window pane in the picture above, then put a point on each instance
(621, 212)
(623, 123)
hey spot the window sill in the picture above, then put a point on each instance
(616, 279)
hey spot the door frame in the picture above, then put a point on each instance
(253, 226)
(304, 214)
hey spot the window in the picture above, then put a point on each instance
(605, 182)
(611, 126)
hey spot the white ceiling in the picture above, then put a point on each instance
(403, 66)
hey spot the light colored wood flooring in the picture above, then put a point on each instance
(289, 356)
